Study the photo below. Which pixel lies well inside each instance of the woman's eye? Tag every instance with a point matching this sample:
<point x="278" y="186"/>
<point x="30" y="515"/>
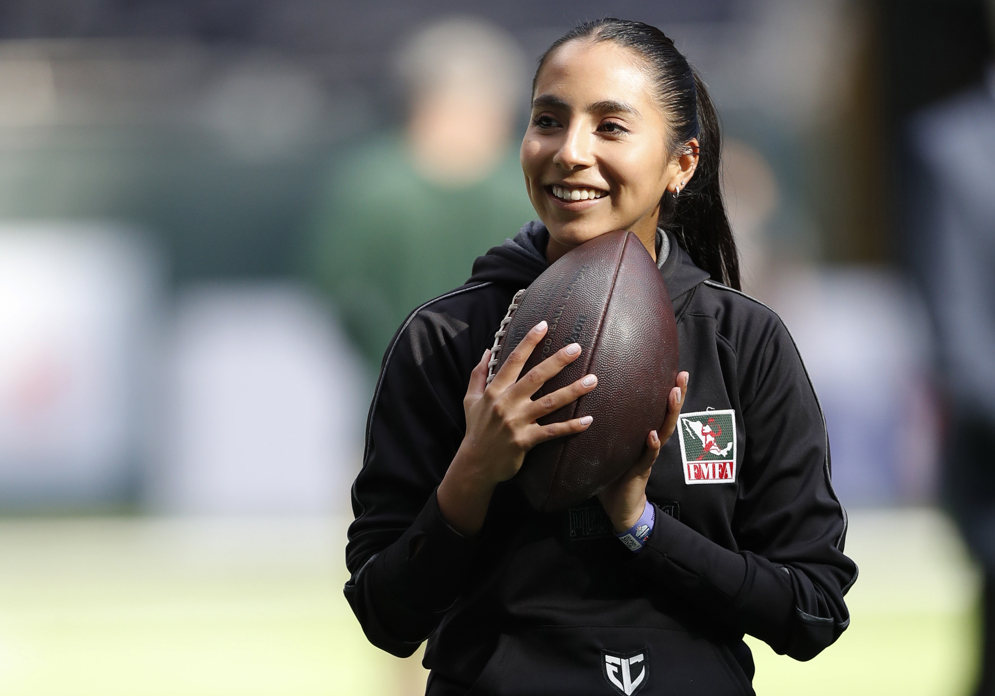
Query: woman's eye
<point x="544" y="121"/>
<point x="612" y="127"/>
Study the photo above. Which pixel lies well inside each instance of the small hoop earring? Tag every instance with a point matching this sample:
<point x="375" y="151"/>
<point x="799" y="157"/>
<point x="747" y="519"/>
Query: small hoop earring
<point x="677" y="191"/>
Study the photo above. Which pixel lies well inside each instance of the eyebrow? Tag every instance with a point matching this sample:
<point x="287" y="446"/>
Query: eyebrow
<point x="612" y="106"/>
<point x="548" y="101"/>
<point x="601" y="107"/>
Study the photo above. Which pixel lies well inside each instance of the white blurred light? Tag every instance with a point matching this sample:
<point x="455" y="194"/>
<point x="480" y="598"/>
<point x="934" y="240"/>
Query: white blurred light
<point x="866" y="348"/>
<point x="264" y="414"/>
<point x="75" y="305"/>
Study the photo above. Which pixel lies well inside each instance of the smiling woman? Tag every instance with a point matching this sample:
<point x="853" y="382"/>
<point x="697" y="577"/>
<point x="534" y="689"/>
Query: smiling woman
<point x="730" y="528"/>
<point x="596" y="154"/>
<point x="655" y="94"/>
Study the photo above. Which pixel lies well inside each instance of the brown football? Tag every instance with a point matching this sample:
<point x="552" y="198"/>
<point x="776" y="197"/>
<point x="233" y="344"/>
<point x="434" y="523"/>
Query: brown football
<point x="608" y="296"/>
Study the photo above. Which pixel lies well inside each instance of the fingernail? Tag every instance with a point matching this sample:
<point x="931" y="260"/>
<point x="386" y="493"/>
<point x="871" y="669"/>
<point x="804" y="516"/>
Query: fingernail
<point x="541" y="326"/>
<point x="654" y="437"/>
<point x="586" y="420"/>
<point x="573" y="349"/>
<point x="678" y="396"/>
<point x="589" y="381"/>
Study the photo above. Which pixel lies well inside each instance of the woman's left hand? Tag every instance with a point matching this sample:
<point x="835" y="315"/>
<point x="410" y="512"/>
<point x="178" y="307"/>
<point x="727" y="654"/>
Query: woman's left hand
<point x="625" y="499"/>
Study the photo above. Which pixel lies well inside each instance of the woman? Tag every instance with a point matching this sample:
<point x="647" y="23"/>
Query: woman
<point x="622" y="136"/>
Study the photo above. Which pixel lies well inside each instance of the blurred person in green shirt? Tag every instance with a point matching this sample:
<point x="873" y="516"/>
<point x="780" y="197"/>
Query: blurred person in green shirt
<point x="407" y="212"/>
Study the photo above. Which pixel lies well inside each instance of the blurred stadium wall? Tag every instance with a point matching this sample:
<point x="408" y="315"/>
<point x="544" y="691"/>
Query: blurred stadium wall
<point x="205" y="135"/>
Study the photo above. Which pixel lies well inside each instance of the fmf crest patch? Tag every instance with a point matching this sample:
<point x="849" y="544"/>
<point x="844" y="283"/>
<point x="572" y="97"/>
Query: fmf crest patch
<point x="708" y="446"/>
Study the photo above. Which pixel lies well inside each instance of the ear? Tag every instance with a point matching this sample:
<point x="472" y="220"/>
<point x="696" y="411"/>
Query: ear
<point x="683" y="166"/>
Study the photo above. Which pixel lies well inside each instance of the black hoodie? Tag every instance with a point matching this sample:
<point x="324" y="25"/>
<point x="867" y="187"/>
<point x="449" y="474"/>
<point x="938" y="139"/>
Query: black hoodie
<point x="748" y="537"/>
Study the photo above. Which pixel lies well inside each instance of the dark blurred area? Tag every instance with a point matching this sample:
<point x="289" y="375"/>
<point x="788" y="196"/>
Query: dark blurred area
<point x="946" y="182"/>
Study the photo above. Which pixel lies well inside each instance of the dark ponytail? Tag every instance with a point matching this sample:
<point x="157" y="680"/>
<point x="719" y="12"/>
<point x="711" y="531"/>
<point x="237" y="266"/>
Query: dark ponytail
<point x="696" y="217"/>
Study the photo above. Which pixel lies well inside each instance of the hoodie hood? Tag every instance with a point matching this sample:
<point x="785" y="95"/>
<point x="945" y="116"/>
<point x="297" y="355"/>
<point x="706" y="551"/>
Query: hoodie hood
<point x="519" y="261"/>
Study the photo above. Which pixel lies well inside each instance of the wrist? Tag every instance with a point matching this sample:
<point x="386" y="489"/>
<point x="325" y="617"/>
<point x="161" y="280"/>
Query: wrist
<point x="623" y="522"/>
<point x="472" y="471"/>
<point x="636" y="536"/>
<point x="464" y="498"/>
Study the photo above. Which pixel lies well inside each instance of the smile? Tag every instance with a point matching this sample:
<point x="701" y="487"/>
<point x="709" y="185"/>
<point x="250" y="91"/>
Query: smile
<point x="576" y="194"/>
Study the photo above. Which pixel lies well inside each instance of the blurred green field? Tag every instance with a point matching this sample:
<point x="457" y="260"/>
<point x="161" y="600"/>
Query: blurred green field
<point x="216" y="607"/>
<point x="912" y="610"/>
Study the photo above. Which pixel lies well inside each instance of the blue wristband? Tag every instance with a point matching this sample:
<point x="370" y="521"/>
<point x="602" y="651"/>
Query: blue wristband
<point x="635" y="538"/>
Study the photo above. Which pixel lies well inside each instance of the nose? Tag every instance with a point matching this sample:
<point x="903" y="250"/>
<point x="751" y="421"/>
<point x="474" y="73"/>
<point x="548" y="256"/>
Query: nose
<point x="575" y="149"/>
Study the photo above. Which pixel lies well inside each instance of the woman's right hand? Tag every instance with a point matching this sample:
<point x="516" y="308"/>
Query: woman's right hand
<point x="501" y="427"/>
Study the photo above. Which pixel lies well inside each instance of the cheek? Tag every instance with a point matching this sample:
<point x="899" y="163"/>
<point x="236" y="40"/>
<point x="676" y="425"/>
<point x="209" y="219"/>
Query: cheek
<point x="644" y="176"/>
<point x="529" y="154"/>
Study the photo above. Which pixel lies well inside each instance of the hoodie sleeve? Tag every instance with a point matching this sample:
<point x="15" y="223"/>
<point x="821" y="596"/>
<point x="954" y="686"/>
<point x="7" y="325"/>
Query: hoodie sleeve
<point x="407" y="565"/>
<point x="786" y="581"/>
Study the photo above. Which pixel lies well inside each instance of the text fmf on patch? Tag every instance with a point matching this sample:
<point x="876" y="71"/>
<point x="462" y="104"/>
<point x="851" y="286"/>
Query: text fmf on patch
<point x="708" y="446"/>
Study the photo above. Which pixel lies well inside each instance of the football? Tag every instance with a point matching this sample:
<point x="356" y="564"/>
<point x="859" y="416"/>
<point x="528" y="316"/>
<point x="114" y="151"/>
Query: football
<point x="607" y="295"/>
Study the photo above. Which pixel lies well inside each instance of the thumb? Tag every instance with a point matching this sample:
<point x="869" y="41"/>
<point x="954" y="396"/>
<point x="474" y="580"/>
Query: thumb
<point x="648" y="458"/>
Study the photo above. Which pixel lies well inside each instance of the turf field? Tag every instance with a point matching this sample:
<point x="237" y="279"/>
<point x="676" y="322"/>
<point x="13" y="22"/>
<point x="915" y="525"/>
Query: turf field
<point x="168" y="607"/>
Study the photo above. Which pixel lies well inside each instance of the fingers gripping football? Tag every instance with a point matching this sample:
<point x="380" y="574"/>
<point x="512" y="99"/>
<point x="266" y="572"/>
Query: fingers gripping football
<point x="501" y="417"/>
<point x="674" y="404"/>
<point x="656" y="438"/>
<point x="625" y="498"/>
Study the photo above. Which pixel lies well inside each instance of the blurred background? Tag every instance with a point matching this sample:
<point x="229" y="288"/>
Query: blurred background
<point x="215" y="214"/>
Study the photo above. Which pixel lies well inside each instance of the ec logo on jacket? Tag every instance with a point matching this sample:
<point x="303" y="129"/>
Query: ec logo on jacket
<point x="625" y="672"/>
<point x="708" y="446"/>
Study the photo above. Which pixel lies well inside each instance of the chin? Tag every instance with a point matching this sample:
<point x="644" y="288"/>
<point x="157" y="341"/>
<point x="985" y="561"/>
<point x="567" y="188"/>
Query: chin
<point x="573" y="234"/>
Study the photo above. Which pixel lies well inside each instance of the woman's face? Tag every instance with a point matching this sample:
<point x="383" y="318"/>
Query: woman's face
<point x="595" y="152"/>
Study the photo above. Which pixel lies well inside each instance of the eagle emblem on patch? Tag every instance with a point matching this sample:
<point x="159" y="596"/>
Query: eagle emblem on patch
<point x="708" y="446"/>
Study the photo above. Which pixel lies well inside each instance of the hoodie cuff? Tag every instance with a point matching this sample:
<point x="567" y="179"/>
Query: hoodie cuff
<point x="426" y="569"/>
<point x="682" y="558"/>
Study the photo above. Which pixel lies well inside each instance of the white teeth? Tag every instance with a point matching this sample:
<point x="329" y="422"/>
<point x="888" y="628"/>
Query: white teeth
<point x="576" y="194"/>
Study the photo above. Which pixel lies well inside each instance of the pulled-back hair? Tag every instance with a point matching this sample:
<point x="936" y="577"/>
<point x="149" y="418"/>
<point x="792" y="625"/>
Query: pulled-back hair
<point x="697" y="217"/>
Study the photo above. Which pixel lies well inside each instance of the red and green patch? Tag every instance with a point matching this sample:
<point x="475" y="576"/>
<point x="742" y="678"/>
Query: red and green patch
<point x="708" y="446"/>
